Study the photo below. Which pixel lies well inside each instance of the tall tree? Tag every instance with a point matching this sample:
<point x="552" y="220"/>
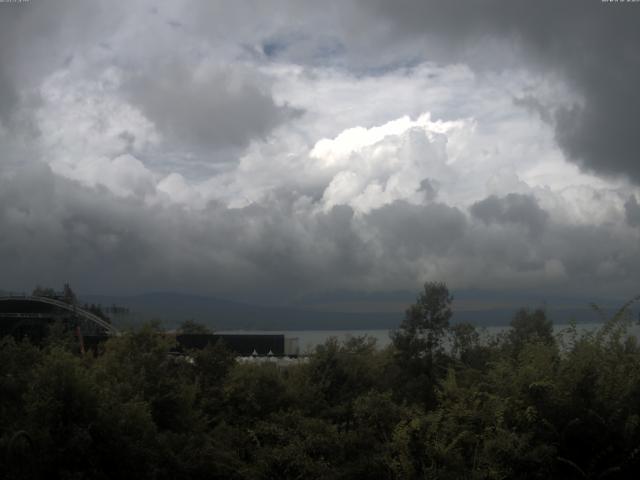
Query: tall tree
<point x="419" y="341"/>
<point x="191" y="327"/>
<point x="528" y="326"/>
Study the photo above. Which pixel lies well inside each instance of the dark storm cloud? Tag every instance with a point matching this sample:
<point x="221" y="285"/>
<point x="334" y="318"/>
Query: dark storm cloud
<point x="220" y="108"/>
<point x="514" y="208"/>
<point x="37" y="36"/>
<point x="217" y="109"/>
<point x="53" y="230"/>
<point x="592" y="44"/>
<point x="8" y="97"/>
<point x="10" y="18"/>
<point x="632" y="211"/>
<point x="415" y="230"/>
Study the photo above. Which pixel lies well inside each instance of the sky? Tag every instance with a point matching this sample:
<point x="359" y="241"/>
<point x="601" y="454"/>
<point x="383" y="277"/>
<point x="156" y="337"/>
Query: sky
<point x="279" y="150"/>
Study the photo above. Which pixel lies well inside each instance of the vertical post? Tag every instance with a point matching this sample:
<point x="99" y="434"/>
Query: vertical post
<point x="80" y="339"/>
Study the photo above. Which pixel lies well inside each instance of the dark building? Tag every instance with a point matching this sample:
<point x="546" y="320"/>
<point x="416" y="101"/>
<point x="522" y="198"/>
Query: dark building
<point x="32" y="316"/>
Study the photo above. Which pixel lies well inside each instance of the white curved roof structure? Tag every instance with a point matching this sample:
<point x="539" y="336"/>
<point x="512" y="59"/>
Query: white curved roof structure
<point x="109" y="329"/>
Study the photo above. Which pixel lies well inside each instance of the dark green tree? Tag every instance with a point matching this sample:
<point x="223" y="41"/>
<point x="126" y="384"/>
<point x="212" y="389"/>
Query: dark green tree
<point x="418" y="343"/>
<point x="191" y="327"/>
<point x="467" y="347"/>
<point x="530" y="326"/>
<point x="41" y="291"/>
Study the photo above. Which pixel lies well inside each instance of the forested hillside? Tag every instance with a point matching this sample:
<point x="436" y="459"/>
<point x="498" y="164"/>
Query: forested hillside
<point x="525" y="404"/>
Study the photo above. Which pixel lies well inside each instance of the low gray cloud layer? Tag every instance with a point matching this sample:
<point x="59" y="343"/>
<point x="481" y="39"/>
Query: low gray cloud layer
<point x="55" y="229"/>
<point x="515" y="209"/>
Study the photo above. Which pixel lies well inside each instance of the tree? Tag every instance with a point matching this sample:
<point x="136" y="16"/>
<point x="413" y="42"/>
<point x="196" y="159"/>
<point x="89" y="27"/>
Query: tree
<point x="137" y="364"/>
<point x="466" y="346"/>
<point x="69" y="295"/>
<point x="191" y="327"/>
<point x="211" y="367"/>
<point x="528" y="326"/>
<point x="253" y="392"/>
<point x="340" y="372"/>
<point x="426" y="322"/>
<point x="418" y="341"/>
<point x="41" y="291"/>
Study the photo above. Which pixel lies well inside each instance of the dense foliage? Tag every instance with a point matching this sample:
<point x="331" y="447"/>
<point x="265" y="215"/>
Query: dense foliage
<point x="441" y="402"/>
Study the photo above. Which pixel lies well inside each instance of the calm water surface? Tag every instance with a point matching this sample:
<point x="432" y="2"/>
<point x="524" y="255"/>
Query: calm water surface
<point x="309" y="339"/>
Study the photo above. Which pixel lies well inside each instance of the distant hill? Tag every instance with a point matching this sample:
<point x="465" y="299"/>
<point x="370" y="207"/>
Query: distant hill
<point x="220" y="314"/>
<point x="173" y="308"/>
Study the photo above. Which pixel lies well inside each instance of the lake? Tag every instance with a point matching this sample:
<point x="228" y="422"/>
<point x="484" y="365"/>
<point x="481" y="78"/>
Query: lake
<point x="309" y="339"/>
